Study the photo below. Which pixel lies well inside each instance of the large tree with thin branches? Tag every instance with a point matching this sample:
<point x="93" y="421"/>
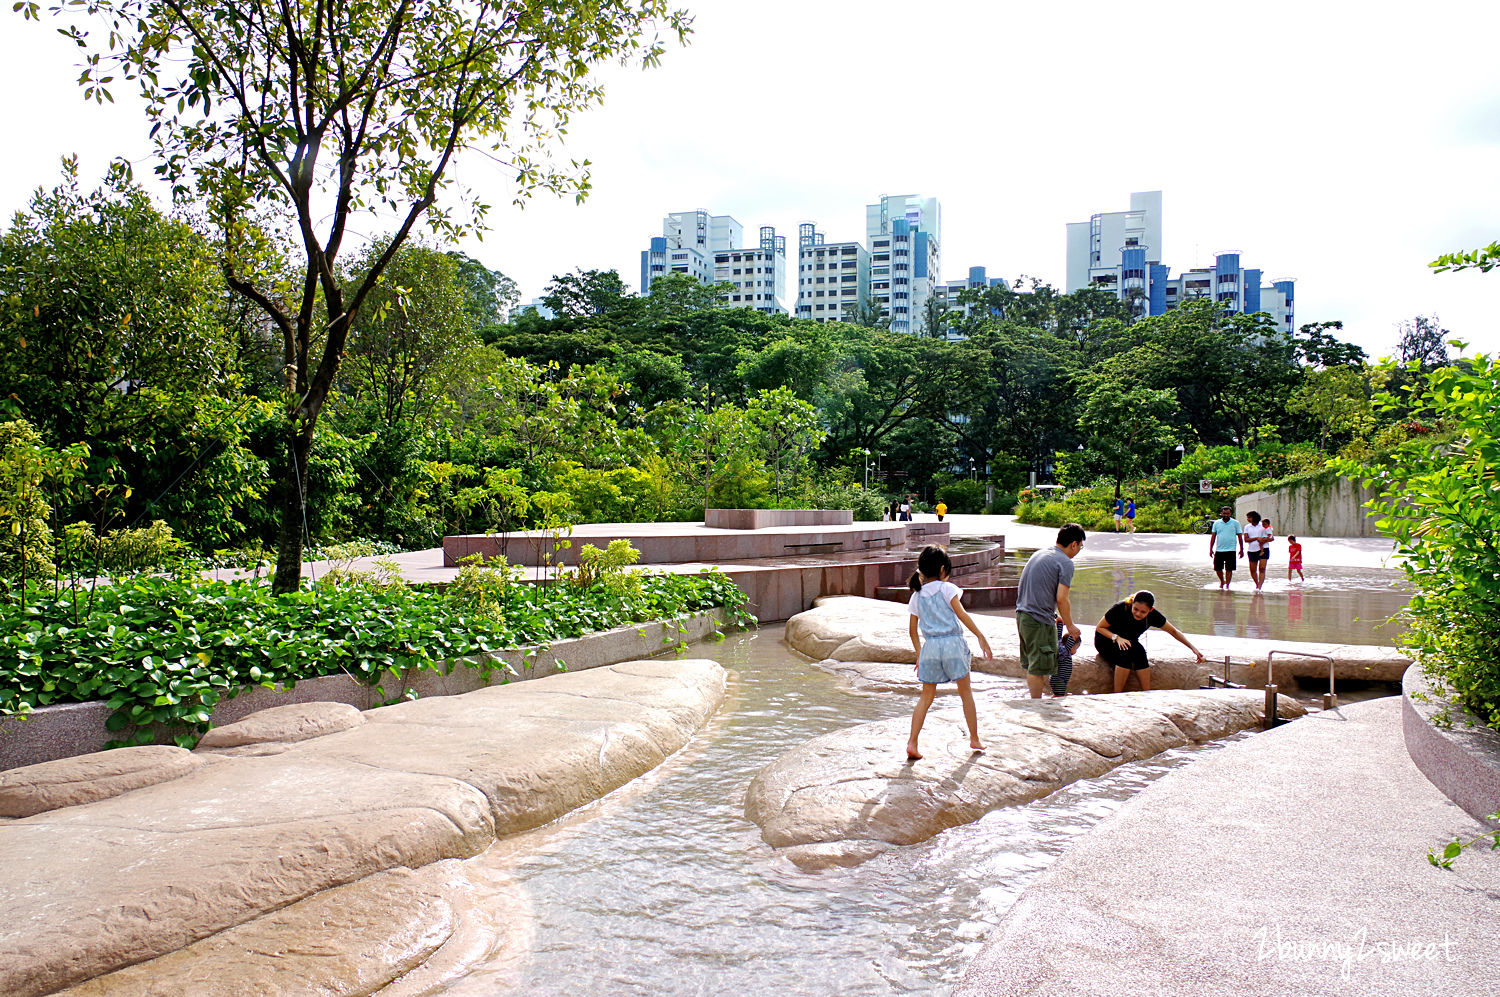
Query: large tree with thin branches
<point x="284" y="120"/>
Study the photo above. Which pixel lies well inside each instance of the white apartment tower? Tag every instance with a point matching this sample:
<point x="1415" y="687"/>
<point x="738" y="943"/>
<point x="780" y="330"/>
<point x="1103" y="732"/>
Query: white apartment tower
<point x="758" y="274"/>
<point x="833" y="278"/>
<point x="687" y="244"/>
<point x="1096" y="248"/>
<point x="905" y="235"/>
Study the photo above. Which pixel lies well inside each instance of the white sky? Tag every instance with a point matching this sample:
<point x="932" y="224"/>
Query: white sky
<point x="1342" y="144"/>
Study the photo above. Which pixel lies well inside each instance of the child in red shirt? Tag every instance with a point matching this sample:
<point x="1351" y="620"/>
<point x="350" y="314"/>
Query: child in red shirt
<point x="1293" y="558"/>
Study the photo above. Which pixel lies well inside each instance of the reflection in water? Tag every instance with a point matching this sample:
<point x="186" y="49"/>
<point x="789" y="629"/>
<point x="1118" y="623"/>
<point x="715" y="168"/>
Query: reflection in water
<point x="1342" y="605"/>
<point x="664" y="888"/>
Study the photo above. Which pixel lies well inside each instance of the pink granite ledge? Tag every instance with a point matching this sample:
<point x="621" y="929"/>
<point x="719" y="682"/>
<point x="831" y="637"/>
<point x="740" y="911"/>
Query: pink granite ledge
<point x="1461" y="760"/>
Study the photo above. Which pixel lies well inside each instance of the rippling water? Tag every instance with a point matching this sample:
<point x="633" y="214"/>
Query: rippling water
<point x="664" y="888"/>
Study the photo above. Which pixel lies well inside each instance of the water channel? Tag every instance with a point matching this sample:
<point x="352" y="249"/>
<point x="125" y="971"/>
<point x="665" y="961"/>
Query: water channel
<point x="663" y="888"/>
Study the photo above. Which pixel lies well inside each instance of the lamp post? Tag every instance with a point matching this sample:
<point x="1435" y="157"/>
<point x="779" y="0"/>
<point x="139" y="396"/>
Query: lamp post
<point x="971" y="468"/>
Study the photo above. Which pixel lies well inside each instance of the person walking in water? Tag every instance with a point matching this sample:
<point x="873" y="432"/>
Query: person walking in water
<point x="1117" y="638"/>
<point x="1257" y="547"/>
<point x="938" y="638"/>
<point x="1294" y="559"/>
<point x="1223" y="534"/>
<point x="1041" y="600"/>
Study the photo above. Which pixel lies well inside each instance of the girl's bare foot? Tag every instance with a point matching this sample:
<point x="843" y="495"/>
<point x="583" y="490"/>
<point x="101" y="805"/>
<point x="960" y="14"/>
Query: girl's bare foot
<point x="975" y="746"/>
<point x="912" y="753"/>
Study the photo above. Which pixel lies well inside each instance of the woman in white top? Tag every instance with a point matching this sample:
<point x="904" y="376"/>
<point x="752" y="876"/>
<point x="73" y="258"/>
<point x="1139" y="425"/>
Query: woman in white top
<point x="1258" y="541"/>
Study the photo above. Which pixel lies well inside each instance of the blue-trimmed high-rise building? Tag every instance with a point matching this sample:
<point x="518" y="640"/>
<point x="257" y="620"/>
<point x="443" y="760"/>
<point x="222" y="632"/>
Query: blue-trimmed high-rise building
<point x="1121" y="252"/>
<point x="905" y="234"/>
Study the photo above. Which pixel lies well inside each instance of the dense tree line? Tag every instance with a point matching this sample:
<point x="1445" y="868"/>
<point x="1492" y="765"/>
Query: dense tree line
<point x="449" y="413"/>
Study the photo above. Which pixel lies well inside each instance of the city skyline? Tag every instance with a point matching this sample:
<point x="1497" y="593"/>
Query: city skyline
<point x="1329" y="145"/>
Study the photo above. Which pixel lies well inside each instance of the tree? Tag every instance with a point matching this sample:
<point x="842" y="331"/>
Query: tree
<point x="298" y="116"/>
<point x="489" y="295"/>
<point x="1126" y="430"/>
<point x="1484" y="260"/>
<point x="1338" y="399"/>
<point x="412" y="335"/>
<point x="935" y="317"/>
<point x="784" y="428"/>
<point x="871" y="314"/>
<point x="1319" y="347"/>
<point x="101" y="298"/>
<point x="585" y="292"/>
<point x="1424" y="342"/>
<point x="674" y="295"/>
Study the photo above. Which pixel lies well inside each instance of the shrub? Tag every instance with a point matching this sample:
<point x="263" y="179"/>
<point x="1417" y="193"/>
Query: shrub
<point x="1441" y="504"/>
<point x="962" y="496"/>
<point x="1004" y="504"/>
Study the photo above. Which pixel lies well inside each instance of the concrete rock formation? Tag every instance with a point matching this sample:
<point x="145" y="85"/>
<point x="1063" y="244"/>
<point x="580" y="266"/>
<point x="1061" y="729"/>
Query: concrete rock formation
<point x="849" y="628"/>
<point x="842" y="797"/>
<point x="89" y="890"/>
<point x="70" y="782"/>
<point x="282" y="725"/>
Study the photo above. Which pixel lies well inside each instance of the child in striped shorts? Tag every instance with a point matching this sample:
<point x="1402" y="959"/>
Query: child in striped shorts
<point x="1065" y="647"/>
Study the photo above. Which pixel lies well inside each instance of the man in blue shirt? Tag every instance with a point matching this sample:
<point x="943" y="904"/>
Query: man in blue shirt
<point x="1119" y="513"/>
<point x="1224" y="534"/>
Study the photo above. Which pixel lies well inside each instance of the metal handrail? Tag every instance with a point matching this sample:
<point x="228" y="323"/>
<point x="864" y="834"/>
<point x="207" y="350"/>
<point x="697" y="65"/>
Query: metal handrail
<point x="1330" y="698"/>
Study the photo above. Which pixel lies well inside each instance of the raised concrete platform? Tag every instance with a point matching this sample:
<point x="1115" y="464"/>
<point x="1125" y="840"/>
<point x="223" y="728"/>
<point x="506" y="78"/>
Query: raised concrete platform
<point x="669" y="543"/>
<point x="1293" y="863"/>
<point x="760" y="519"/>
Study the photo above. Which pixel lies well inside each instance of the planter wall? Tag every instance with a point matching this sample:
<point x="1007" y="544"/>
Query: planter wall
<point x="70" y="729"/>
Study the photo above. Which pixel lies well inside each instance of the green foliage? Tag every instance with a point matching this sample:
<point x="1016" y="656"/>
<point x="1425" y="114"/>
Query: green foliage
<point x="1484" y="260"/>
<point x="1441" y="505"/>
<point x="1455" y="848"/>
<point x="125" y="551"/>
<point x="30" y="471"/>
<point x="166" y="650"/>
<point x="607" y="568"/>
<point x="102" y="296"/>
<point x="962" y="496"/>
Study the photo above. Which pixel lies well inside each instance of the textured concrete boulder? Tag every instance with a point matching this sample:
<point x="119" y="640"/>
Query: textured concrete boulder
<point x="880" y="677"/>
<point x="842" y="797"/>
<point x="68" y="782"/>
<point x="89" y="890"/>
<point x="849" y="628"/>
<point x="283" y="725"/>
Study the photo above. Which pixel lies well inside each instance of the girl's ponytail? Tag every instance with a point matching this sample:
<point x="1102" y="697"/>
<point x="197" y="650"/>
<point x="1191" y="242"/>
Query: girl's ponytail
<point x="915" y="582"/>
<point x="931" y="564"/>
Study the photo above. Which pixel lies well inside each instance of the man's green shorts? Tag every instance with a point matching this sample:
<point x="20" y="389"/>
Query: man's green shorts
<point x="1038" y="645"/>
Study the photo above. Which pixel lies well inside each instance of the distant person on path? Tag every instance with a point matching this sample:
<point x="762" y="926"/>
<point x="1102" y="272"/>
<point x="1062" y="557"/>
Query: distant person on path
<point x="941" y="509"/>
<point x="942" y="652"/>
<point x="1066" y="645"/>
<point x="895" y="510"/>
<point x="1117" y="638"/>
<point x="1119" y="513"/>
<point x="1130" y="514"/>
<point x="1294" y="559"/>
<point x="1041" y="600"/>
<point x="905" y="510"/>
<point x="1257" y="547"/>
<point x="1224" y="533"/>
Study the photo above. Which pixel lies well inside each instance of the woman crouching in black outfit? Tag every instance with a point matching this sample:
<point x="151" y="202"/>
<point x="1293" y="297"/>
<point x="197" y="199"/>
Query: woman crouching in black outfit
<point x="1117" y="637"/>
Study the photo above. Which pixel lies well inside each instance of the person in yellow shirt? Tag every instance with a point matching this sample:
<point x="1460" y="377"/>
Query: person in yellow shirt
<point x="941" y="509"/>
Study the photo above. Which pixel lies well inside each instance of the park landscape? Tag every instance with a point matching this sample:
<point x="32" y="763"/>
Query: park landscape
<point x="366" y="633"/>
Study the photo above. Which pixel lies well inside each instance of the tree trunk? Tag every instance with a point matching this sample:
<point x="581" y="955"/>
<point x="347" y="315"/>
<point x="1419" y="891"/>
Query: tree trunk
<point x="288" y="577"/>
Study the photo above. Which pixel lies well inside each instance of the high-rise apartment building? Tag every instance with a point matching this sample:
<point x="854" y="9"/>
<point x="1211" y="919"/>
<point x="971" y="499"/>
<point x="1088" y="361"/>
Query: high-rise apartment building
<point x="758" y="274"/>
<point x="905" y="237"/>
<point x="833" y="278"/>
<point x="687" y="245"/>
<point x="1120" y="252"/>
<point x="1097" y="247"/>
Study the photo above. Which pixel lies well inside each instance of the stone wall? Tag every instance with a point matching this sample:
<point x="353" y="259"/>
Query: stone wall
<point x="1324" y="506"/>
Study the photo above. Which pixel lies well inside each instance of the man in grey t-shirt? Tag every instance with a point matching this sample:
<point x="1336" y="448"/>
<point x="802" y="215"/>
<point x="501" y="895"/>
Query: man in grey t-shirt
<point x="1041" y="600"/>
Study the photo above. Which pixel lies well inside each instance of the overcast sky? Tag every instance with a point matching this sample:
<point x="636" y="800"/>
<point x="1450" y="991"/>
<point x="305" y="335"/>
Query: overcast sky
<point x="1341" y="144"/>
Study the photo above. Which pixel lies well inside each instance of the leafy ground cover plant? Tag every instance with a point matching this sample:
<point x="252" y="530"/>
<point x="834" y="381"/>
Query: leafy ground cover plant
<point x="162" y="650"/>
